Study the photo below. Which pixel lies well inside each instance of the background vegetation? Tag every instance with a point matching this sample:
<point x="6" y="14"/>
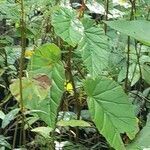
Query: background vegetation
<point x="74" y="74"/>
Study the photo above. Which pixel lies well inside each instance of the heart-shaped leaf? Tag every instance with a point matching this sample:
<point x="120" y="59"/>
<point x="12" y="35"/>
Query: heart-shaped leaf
<point x="110" y="110"/>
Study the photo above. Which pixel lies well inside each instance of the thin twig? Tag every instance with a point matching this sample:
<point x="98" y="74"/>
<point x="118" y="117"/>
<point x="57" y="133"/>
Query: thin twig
<point x="79" y="71"/>
<point x="15" y="135"/>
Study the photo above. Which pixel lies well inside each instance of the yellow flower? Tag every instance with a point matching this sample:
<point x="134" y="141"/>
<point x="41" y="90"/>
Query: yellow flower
<point x="29" y="53"/>
<point x="69" y="87"/>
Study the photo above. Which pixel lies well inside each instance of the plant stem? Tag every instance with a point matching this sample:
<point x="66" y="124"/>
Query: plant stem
<point x="148" y="14"/>
<point x="106" y="15"/>
<point x="128" y="64"/>
<point x="15" y="135"/>
<point x="69" y="65"/>
<point x="21" y="64"/>
<point x="138" y="61"/>
<point x="133" y="10"/>
<point x="78" y="109"/>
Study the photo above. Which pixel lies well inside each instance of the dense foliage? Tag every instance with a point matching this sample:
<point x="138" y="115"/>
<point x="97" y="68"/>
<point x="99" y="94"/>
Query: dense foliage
<point x="75" y="74"/>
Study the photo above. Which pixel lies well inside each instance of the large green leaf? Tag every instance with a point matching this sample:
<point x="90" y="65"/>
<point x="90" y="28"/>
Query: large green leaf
<point x="44" y="87"/>
<point x="110" y="110"/>
<point x="51" y="104"/>
<point x="138" y="29"/>
<point x="143" y="138"/>
<point x="47" y="59"/>
<point x="94" y="49"/>
<point x="67" y="25"/>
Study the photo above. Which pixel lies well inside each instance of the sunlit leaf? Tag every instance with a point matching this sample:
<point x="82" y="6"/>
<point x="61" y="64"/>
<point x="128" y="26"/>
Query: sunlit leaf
<point x="44" y="131"/>
<point x="73" y="123"/>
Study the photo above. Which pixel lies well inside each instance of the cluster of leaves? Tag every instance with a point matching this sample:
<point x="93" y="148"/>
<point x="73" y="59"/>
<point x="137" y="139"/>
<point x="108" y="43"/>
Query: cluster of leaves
<point x="79" y="73"/>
